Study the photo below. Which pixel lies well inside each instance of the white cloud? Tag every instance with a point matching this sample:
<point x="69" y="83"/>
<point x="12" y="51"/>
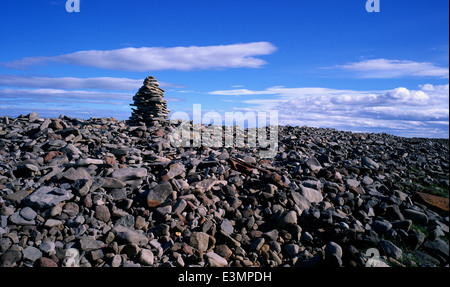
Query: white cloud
<point x="160" y="58"/>
<point x="385" y="68"/>
<point x="399" y="111"/>
<point x="98" y="83"/>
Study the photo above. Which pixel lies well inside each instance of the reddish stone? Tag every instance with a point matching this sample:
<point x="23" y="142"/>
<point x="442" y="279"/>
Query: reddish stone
<point x="110" y="160"/>
<point x="47" y="262"/>
<point x="435" y="201"/>
<point x="160" y="133"/>
<point x="51" y="155"/>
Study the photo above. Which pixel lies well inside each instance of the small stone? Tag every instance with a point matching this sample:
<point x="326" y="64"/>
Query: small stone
<point x="89" y="243"/>
<point x="31" y="253"/>
<point x="146" y="257"/>
<point x="369" y="163"/>
<point x="158" y="194"/>
<point x="311" y="194"/>
<point x="333" y="248"/>
<point x="47" y="247"/>
<point x="227" y="226"/>
<point x="129" y="173"/>
<point x="199" y="240"/>
<point x="389" y="249"/>
<point x="9" y="257"/>
<point x="416" y="216"/>
<point x="47" y="262"/>
<point x="287" y="219"/>
<point x="223" y="251"/>
<point x="381" y="226"/>
<point x="53" y="222"/>
<point x="28" y="213"/>
<point x="47" y="197"/>
<point x="214" y="260"/>
<point x="102" y="213"/>
<point x="126" y="235"/>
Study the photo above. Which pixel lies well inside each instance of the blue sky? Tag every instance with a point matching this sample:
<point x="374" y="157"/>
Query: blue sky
<point x="324" y="63"/>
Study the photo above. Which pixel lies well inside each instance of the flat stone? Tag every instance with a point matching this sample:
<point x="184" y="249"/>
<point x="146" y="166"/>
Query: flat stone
<point x="19" y="220"/>
<point x="47" y="247"/>
<point x="47" y="262"/>
<point x="227" y="226"/>
<point x="129" y="173"/>
<point x="416" y="216"/>
<point x="89" y="243"/>
<point x="389" y="249"/>
<point x="28" y="213"/>
<point x="199" y="240"/>
<point x="9" y="257"/>
<point x="130" y="236"/>
<point x="369" y="163"/>
<point x="312" y="195"/>
<point x="31" y="253"/>
<point x="158" y="194"/>
<point x="47" y="197"/>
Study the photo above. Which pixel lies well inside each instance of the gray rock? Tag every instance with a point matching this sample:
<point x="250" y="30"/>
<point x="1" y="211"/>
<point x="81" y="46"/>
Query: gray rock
<point x="89" y="243"/>
<point x="129" y="173"/>
<point x="301" y="201"/>
<point x="10" y="257"/>
<point x="28" y="213"/>
<point x="389" y="249"/>
<point x="102" y="213"/>
<point x="416" y="216"/>
<point x="126" y="235"/>
<point x="199" y="240"/>
<point x="333" y="248"/>
<point x="82" y="186"/>
<point x="47" y="197"/>
<point x="288" y="219"/>
<point x="19" y="220"/>
<point x="381" y="227"/>
<point x="146" y="257"/>
<point x="47" y="247"/>
<point x="31" y="253"/>
<point x="312" y="195"/>
<point x="158" y="194"/>
<point x="369" y="163"/>
<point x="227" y="226"/>
<point x="438" y="246"/>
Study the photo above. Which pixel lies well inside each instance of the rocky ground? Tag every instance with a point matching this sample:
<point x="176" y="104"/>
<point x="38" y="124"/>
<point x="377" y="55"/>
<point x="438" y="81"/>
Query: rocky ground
<point x="118" y="195"/>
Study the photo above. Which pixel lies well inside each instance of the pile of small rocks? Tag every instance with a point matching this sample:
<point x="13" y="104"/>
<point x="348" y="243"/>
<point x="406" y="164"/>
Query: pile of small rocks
<point x="150" y="108"/>
<point x="121" y="195"/>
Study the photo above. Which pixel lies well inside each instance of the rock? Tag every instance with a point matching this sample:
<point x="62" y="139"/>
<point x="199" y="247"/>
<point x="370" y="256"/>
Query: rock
<point x="333" y="248"/>
<point x="311" y="194"/>
<point x="102" y="213"/>
<point x="389" y="249"/>
<point x="438" y="247"/>
<point x="31" y="253"/>
<point x="146" y="257"/>
<point x="9" y="257"/>
<point x="288" y="219"/>
<point x="381" y="227"/>
<point x="129" y="173"/>
<point x="215" y="260"/>
<point x="47" y="247"/>
<point x="32" y="117"/>
<point x="47" y="262"/>
<point x="15" y="218"/>
<point x="158" y="194"/>
<point x="28" y="213"/>
<point x="199" y="240"/>
<point x="417" y="217"/>
<point x="369" y="163"/>
<point x="82" y="186"/>
<point x="227" y="226"/>
<point x="89" y="243"/>
<point x="47" y="197"/>
<point x="126" y="235"/>
<point x="149" y="106"/>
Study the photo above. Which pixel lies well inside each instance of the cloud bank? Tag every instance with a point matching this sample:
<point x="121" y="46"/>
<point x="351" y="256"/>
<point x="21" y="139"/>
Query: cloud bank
<point x="240" y="55"/>
<point x="423" y="112"/>
<point x="385" y="68"/>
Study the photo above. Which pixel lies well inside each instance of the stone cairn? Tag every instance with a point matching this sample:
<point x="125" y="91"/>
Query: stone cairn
<point x="150" y="108"/>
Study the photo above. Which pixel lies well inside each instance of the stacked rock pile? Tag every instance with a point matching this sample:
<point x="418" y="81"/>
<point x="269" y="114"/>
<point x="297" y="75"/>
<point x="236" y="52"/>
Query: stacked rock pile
<point x="150" y="107"/>
<point x="120" y="195"/>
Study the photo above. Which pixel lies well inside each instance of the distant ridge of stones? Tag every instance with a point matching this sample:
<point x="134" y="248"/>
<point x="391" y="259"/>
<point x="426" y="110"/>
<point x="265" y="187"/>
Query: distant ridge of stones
<point x="150" y="107"/>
